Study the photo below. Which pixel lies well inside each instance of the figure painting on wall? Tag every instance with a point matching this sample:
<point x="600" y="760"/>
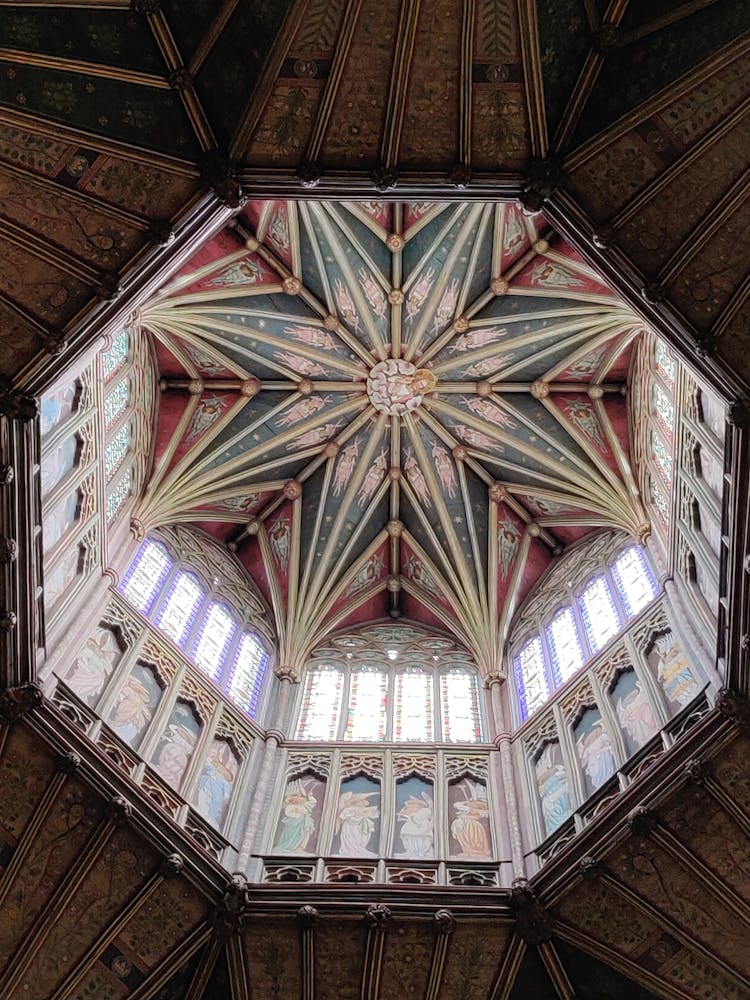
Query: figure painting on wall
<point x="297" y="829"/>
<point x="414" y="811"/>
<point x="470" y="825"/>
<point x="552" y="783"/>
<point x="57" y="406"/>
<point x="357" y="818"/>
<point x="634" y="711"/>
<point x="136" y="703"/>
<point x="595" y="750"/>
<point x="176" y="746"/>
<point x="216" y="783"/>
<point x="673" y="671"/>
<point x="93" y="666"/>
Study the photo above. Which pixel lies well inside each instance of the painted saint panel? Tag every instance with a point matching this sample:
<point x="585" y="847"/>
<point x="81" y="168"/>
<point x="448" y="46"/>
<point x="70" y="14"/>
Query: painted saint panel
<point x="136" y="703"/>
<point x="177" y="744"/>
<point x="298" y="828"/>
<point x="64" y="573"/>
<point x="59" y="462"/>
<point x="552" y="784"/>
<point x="677" y="677"/>
<point x="357" y="827"/>
<point x="217" y="782"/>
<point x="414" y="835"/>
<point x="94" y="665"/>
<point x="469" y="812"/>
<point x="57" y="406"/>
<point x="634" y="711"/>
<point x="62" y="517"/>
<point x="594" y="749"/>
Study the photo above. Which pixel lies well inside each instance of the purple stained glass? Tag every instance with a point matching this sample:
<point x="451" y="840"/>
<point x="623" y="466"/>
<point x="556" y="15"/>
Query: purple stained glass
<point x="245" y="680"/>
<point x="214" y="635"/>
<point x="145" y="578"/>
<point x="599" y="613"/>
<point x="565" y="645"/>
<point x="634" y="580"/>
<point x="531" y="679"/>
<point x="177" y="613"/>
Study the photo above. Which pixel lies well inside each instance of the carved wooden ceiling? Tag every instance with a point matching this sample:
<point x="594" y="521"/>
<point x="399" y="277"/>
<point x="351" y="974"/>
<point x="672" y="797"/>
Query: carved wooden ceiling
<point x="392" y="408"/>
<point x="116" y="117"/>
<point x="100" y="900"/>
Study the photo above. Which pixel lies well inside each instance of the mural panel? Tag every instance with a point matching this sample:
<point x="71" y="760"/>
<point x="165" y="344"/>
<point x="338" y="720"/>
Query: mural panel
<point x="414" y="835"/>
<point x="357" y="826"/>
<point x="136" y="703"/>
<point x="177" y="744"/>
<point x="552" y="784"/>
<point x="634" y="711"/>
<point x="217" y="782"/>
<point x="469" y="812"/>
<point x="671" y="667"/>
<point x="298" y="827"/>
<point x="594" y="749"/>
<point x="94" y="665"/>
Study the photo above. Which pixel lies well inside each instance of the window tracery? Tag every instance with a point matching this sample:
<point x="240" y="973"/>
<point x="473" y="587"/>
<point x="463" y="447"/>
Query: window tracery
<point x="385" y="683"/>
<point x="163" y="584"/>
<point x="615" y="584"/>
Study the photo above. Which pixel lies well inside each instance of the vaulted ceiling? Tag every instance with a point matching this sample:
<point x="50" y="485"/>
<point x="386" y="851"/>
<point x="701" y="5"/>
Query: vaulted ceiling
<point x="117" y="117"/>
<point x="391" y="408"/>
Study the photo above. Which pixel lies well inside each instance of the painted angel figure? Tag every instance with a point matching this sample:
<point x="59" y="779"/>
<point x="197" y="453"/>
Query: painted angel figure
<point x="216" y="783"/>
<point x="636" y="716"/>
<point x="297" y="820"/>
<point x="207" y="413"/>
<point x="552" y="783"/>
<point x="477" y="338"/>
<point x="444" y="468"/>
<point x="508" y="536"/>
<point x="242" y="272"/>
<point x="366" y="574"/>
<point x="303" y="366"/>
<point x="346" y="306"/>
<point x="419" y="294"/>
<point x="583" y="416"/>
<point x="373" y="293"/>
<point x="467" y="828"/>
<point x="355" y="823"/>
<point x="418" y="572"/>
<point x="514" y="233"/>
<point x="316" y="435"/>
<point x="446" y="307"/>
<point x="417" y="827"/>
<point x="278" y="231"/>
<point x="673" y="671"/>
<point x="487" y="366"/>
<point x="345" y="466"/>
<point x="206" y="364"/>
<point x="132" y="709"/>
<point x="485" y="408"/>
<point x="312" y="336"/>
<point x="417" y="479"/>
<point x="373" y="478"/>
<point x="596" y="754"/>
<point x="473" y="437"/>
<point x="586" y="365"/>
<point x="94" y="664"/>
<point x="551" y="275"/>
<point x="280" y="537"/>
<point x="302" y="409"/>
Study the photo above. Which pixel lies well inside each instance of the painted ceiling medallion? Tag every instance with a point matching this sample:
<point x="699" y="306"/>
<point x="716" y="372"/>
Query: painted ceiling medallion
<point x="398" y="352"/>
<point x="396" y="386"/>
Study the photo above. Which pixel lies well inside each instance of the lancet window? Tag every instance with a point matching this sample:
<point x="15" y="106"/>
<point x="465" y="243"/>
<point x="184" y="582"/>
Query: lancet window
<point x="573" y="629"/>
<point x="116" y="365"/>
<point x="390" y="684"/>
<point x="184" y="604"/>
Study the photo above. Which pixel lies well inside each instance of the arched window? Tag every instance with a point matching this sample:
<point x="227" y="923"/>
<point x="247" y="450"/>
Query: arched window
<point x="192" y="612"/>
<point x="570" y="631"/>
<point x="388" y="683"/>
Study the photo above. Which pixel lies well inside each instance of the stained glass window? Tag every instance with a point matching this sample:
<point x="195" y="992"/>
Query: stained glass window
<point x="531" y="680"/>
<point x="599" y="613"/>
<point x="460" y="703"/>
<point x="368" y="689"/>
<point x="118" y="495"/>
<point x="246" y="678"/>
<point x="664" y="409"/>
<point x="114" y="357"/>
<point x="665" y="364"/>
<point x="321" y="704"/>
<point x="115" y="402"/>
<point x="634" y="580"/>
<point x="413" y="714"/>
<point x="115" y="451"/>
<point x="214" y="635"/>
<point x="663" y="457"/>
<point x="565" y="646"/>
<point x="177" y="613"/>
<point x="147" y="573"/>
